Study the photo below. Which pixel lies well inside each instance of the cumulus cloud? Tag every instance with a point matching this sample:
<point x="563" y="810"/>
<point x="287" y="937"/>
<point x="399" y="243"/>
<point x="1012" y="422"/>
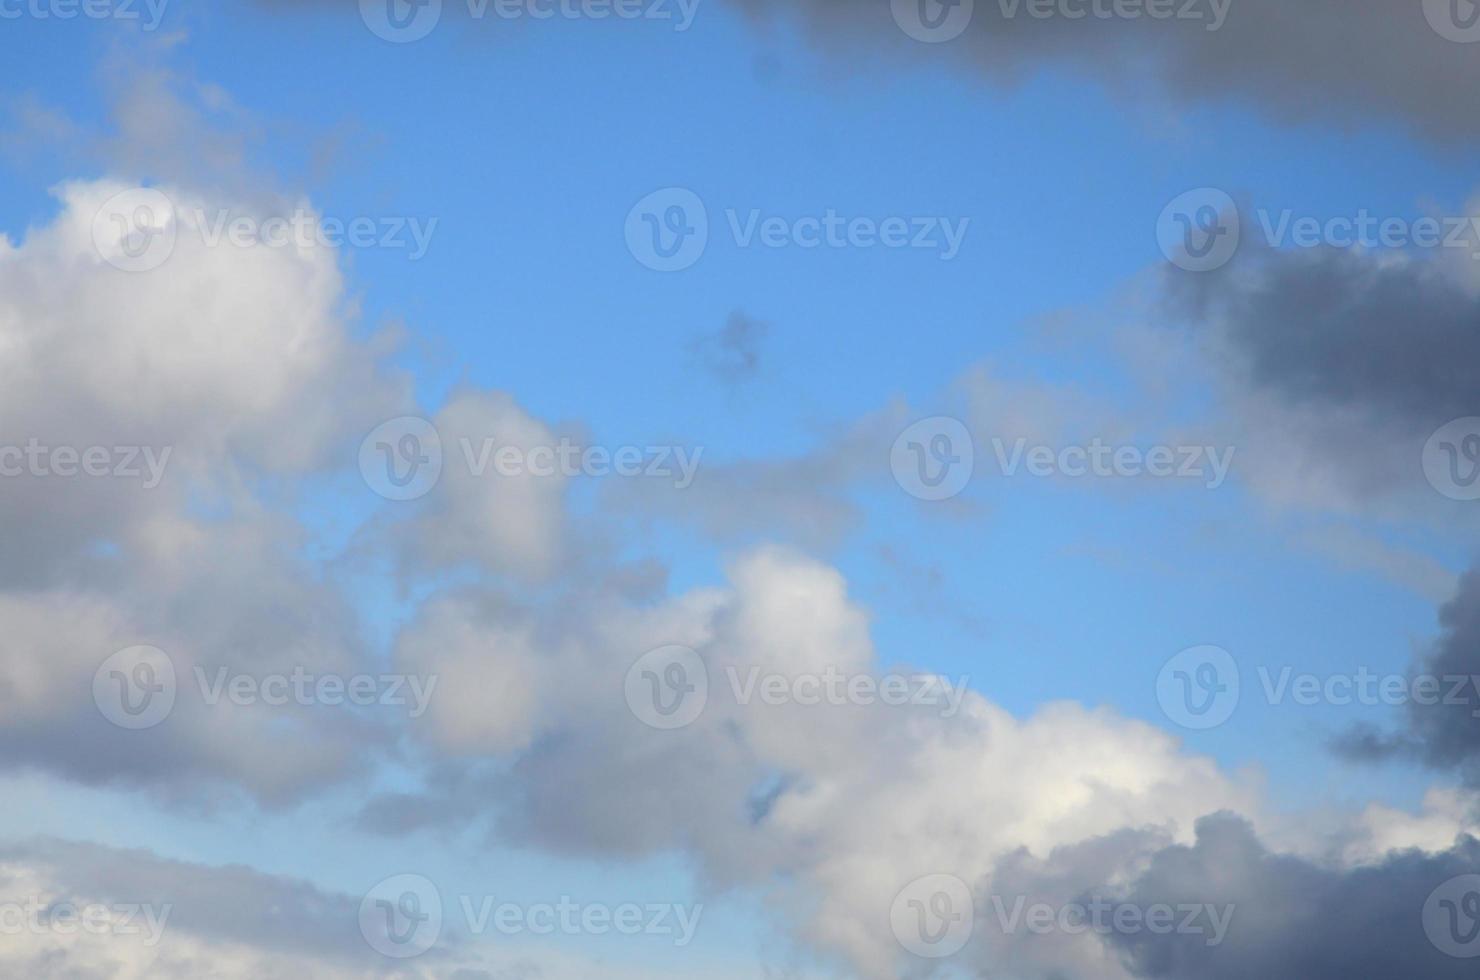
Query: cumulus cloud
<point x="848" y="803"/>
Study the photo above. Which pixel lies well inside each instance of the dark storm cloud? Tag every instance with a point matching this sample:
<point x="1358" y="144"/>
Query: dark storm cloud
<point x="1327" y="61"/>
<point x="1394" y="343"/>
<point x="1275" y="916"/>
<point x="1441" y="727"/>
<point x="1294" y="920"/>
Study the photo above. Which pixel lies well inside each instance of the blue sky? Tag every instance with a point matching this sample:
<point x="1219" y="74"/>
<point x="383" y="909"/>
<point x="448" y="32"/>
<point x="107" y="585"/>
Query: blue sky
<point x="528" y="144"/>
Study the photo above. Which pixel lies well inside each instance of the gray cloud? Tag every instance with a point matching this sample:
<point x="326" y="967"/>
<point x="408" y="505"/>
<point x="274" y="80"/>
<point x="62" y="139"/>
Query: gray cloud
<point x="1323" y="61"/>
<point x="1444" y="734"/>
<point x="1293" y="919"/>
<point x="733" y="353"/>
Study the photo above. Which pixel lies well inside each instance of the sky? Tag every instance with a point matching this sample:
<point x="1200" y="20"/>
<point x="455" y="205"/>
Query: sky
<point x="856" y="489"/>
